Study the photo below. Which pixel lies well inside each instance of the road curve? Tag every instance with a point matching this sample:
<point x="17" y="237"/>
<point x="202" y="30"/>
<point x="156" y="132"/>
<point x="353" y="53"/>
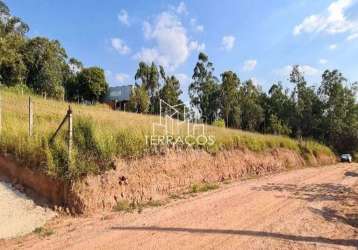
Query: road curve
<point x="312" y="208"/>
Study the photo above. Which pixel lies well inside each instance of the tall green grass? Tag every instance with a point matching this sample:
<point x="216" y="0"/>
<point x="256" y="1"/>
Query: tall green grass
<point x="102" y="135"/>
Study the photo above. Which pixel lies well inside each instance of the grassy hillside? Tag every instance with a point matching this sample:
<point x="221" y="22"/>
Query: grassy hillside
<point x="102" y="135"/>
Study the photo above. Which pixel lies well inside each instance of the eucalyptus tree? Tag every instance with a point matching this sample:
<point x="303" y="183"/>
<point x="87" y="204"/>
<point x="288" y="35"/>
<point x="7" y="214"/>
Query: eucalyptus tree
<point x="170" y="91"/>
<point x="229" y="98"/>
<point x="252" y="113"/>
<point x="308" y="107"/>
<point x="149" y="77"/>
<point x="204" y="91"/>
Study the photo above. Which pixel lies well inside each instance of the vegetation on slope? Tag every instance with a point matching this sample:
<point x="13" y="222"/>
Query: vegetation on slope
<point x="102" y="135"/>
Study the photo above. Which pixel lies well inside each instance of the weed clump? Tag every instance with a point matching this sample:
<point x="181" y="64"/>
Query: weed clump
<point x="131" y="206"/>
<point x="43" y="232"/>
<point x="205" y="187"/>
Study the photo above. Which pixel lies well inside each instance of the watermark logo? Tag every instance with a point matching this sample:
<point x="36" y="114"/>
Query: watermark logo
<point x="178" y="126"/>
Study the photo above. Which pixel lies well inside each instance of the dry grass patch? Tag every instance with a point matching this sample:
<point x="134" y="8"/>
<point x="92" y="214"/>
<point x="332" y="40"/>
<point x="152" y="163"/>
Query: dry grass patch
<point x="102" y="135"/>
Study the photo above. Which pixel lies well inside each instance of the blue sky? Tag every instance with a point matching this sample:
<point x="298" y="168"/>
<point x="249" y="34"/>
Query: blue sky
<point x="257" y="39"/>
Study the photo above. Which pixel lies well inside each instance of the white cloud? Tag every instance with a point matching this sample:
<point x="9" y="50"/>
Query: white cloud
<point x="200" y="28"/>
<point x="121" y="77"/>
<point x="172" y="45"/>
<point x="147" y="29"/>
<point x="195" y="45"/>
<point x="323" y="61"/>
<point x="352" y="37"/>
<point x="150" y="55"/>
<point x="197" y="27"/>
<point x="249" y="65"/>
<point x="227" y="42"/>
<point x="331" y="21"/>
<point x="120" y="46"/>
<point x="181" y="9"/>
<point x="307" y="70"/>
<point x="332" y="46"/>
<point x="123" y="17"/>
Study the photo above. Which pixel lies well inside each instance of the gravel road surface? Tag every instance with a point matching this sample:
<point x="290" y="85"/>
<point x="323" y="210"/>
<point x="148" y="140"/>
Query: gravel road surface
<point x="19" y="215"/>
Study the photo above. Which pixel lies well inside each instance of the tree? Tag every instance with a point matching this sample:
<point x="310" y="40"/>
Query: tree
<point x="75" y="65"/>
<point x="12" y="67"/>
<point x="139" y="101"/>
<point x="92" y="84"/>
<point x="252" y="114"/>
<point x="170" y="92"/>
<point x="12" y="30"/>
<point x="307" y="104"/>
<point x="277" y="126"/>
<point x="149" y="77"/>
<point x="340" y="119"/>
<point x="229" y="97"/>
<point x="204" y="90"/>
<point x="71" y="82"/>
<point x="46" y="65"/>
<point x="11" y="24"/>
<point x="279" y="108"/>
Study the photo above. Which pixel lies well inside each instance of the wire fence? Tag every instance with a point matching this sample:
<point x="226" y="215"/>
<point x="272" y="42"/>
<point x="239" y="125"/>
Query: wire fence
<point x="15" y="113"/>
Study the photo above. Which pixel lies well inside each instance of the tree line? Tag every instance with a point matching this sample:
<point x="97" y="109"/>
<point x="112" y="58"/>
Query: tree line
<point x="43" y="66"/>
<point x="327" y="113"/>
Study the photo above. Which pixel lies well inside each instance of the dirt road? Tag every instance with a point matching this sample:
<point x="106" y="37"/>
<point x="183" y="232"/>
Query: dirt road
<point x="313" y="208"/>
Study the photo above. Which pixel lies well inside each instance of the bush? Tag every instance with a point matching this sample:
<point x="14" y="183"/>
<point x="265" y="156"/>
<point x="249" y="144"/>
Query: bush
<point x="219" y="123"/>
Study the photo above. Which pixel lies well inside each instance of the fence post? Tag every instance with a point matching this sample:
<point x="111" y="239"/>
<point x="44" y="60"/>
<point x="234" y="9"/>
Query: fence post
<point x="0" y="113"/>
<point x="31" y="117"/>
<point x="70" y="134"/>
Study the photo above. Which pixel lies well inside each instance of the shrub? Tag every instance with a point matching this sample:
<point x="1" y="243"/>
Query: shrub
<point x="205" y="187"/>
<point x="219" y="123"/>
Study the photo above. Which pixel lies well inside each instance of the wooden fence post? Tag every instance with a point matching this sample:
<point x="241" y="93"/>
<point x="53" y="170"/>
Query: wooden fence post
<point x="31" y="117"/>
<point x="0" y="113"/>
<point x="70" y="134"/>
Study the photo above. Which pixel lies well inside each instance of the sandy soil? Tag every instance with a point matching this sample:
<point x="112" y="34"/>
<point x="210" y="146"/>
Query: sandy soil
<point x="19" y="215"/>
<point x="312" y="208"/>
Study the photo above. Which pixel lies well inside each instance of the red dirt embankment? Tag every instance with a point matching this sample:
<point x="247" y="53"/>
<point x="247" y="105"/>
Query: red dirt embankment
<point x="157" y="177"/>
<point x="54" y="191"/>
